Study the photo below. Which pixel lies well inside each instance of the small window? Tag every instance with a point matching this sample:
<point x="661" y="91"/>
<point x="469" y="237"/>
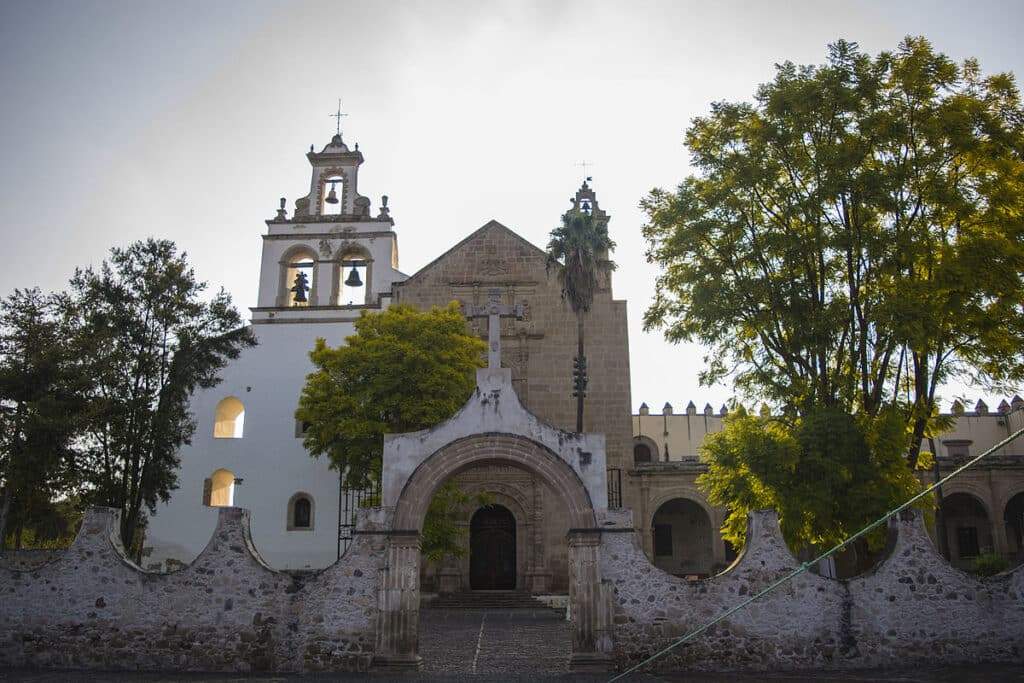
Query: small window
<point x="641" y="453"/>
<point x="967" y="541"/>
<point x="229" y="419"/>
<point x="958" y="449"/>
<point x="663" y="540"/>
<point x="300" y="513"/>
<point x="219" y="489"/>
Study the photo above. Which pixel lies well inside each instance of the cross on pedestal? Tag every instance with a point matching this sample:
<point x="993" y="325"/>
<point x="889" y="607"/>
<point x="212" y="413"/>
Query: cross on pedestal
<point x="494" y="311"/>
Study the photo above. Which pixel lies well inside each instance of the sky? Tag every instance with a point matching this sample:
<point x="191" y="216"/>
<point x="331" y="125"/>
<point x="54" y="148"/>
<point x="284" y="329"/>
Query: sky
<point x="121" y="120"/>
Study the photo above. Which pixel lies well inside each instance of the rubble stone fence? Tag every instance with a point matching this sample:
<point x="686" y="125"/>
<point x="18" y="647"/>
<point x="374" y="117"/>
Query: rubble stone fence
<point x="912" y="608"/>
<point x="92" y="608"/>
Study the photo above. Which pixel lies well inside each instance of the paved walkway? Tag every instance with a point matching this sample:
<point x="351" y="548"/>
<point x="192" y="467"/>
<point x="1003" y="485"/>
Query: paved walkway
<point x="523" y="642"/>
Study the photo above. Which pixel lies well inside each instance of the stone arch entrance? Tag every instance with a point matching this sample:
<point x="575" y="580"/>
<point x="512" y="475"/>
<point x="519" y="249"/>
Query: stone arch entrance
<point x="492" y="549"/>
<point x="399" y="601"/>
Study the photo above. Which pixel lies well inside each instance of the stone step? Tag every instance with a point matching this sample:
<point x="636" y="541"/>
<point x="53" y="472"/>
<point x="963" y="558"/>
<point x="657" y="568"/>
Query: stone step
<point x="486" y="600"/>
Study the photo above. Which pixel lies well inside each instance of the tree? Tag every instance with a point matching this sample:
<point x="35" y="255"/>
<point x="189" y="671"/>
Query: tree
<point x="403" y="370"/>
<point x="828" y="473"/>
<point x="575" y="250"/>
<point x="147" y="340"/>
<point x="854" y="235"/>
<point x="40" y="408"/>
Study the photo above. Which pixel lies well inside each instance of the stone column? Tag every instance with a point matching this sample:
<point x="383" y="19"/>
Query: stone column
<point x="1000" y="537"/>
<point x="398" y="604"/>
<point x="589" y="603"/>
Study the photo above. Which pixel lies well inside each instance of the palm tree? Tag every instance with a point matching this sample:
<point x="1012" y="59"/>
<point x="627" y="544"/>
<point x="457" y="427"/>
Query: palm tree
<point x="576" y="249"/>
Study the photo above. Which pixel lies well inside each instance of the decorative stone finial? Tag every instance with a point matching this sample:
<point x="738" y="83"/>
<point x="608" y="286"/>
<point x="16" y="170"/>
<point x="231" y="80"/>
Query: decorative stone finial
<point x="1016" y="402"/>
<point x="723" y="411"/>
<point x="957" y="408"/>
<point x="981" y="408"/>
<point x="281" y="213"/>
<point x="1004" y="407"/>
<point x="385" y="212"/>
<point x="645" y="409"/>
<point x="691" y="409"/>
<point x="708" y="410"/>
<point x="667" y="409"/>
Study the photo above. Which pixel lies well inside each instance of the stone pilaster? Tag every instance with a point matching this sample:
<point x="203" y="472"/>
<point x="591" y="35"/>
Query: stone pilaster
<point x="589" y="603"/>
<point x="399" y="604"/>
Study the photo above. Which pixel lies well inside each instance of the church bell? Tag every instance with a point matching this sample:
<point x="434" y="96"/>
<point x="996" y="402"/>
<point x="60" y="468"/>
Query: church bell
<point x="353" y="279"/>
<point x="332" y="196"/>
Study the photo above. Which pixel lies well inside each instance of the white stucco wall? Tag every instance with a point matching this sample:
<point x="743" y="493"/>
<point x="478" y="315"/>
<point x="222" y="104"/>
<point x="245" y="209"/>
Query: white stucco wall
<point x="269" y="458"/>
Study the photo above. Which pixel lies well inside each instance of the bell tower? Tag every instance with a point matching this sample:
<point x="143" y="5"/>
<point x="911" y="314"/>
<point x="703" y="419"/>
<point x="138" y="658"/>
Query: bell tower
<point x="331" y="255"/>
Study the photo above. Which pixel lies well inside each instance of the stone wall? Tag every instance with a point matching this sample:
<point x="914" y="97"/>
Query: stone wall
<point x="912" y="608"/>
<point x="226" y="611"/>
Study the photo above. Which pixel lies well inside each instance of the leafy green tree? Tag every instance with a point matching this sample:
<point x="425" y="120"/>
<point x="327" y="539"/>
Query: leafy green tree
<point x="828" y="473"/>
<point x="147" y="339"/>
<point x="576" y="250"/>
<point x="853" y="238"/>
<point x="443" y="532"/>
<point x="403" y="370"/>
<point x="40" y="411"/>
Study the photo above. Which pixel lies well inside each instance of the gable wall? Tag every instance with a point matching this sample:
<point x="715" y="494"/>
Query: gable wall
<point x="539" y="349"/>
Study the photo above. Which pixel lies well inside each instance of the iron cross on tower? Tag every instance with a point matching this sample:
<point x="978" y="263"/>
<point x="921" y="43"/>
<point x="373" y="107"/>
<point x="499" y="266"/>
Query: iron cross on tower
<point x="494" y="311"/>
<point x="338" y="116"/>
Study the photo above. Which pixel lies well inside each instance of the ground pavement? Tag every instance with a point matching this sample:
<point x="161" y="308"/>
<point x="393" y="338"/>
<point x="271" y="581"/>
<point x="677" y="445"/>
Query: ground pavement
<point x="518" y="645"/>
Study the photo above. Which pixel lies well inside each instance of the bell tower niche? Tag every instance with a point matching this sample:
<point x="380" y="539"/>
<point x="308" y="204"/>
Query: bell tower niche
<point x="331" y="255"/>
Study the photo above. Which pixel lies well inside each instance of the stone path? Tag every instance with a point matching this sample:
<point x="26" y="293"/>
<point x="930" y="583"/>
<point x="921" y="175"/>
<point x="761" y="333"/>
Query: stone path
<point x="520" y="642"/>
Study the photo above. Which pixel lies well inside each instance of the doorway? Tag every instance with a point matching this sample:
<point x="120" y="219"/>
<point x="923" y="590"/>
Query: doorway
<point x="492" y="549"/>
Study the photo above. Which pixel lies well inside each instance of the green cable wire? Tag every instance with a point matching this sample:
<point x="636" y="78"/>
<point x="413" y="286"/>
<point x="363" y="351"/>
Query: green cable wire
<point x="806" y="565"/>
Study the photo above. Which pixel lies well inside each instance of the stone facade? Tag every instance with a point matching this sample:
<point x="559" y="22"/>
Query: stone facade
<point x="538" y="350"/>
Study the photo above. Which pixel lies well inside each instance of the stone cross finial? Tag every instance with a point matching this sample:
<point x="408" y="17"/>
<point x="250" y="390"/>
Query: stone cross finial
<point x="494" y="310"/>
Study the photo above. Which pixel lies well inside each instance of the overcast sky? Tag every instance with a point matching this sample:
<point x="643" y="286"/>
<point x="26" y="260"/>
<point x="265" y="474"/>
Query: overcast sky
<point x="187" y="120"/>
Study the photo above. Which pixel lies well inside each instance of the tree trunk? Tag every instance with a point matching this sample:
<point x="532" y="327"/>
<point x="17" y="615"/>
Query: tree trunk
<point x="5" y="509"/>
<point x="579" y="354"/>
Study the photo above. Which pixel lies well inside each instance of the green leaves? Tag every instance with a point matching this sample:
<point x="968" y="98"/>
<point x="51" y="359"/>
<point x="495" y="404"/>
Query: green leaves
<point x="574" y="250"/>
<point x="828" y="474"/>
<point x="855" y="231"/>
<point x="403" y="370"/>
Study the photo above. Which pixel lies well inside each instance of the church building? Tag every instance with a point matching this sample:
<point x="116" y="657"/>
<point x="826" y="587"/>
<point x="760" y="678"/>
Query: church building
<point x="334" y="258"/>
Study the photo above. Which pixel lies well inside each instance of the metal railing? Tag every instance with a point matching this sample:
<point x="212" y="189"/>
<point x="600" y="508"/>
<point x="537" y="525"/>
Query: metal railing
<point x="350" y="500"/>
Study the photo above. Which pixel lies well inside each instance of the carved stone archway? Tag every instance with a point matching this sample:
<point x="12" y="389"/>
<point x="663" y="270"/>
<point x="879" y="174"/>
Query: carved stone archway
<point x="399" y="599"/>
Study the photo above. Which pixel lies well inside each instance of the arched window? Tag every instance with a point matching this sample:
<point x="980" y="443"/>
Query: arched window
<point x="219" y="489"/>
<point x="229" y="419"/>
<point x="299" y="279"/>
<point x="641" y="453"/>
<point x="332" y="193"/>
<point x="300" y="512"/>
<point x="353" y="277"/>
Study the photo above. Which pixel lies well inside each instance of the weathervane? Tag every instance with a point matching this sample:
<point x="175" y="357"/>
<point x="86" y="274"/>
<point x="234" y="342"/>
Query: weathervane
<point x="584" y="164"/>
<point x="338" y="116"/>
